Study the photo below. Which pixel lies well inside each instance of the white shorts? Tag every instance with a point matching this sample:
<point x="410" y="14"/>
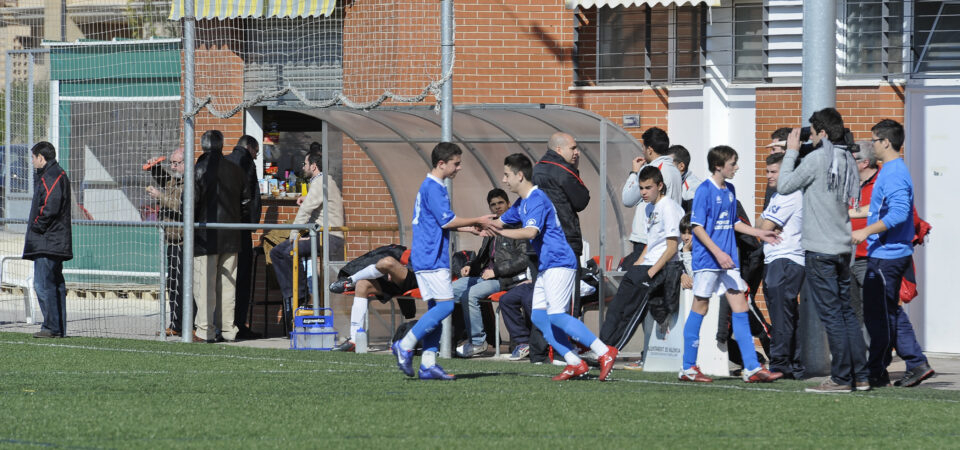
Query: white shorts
<point x="554" y="289"/>
<point x="709" y="282"/>
<point x="435" y="284"/>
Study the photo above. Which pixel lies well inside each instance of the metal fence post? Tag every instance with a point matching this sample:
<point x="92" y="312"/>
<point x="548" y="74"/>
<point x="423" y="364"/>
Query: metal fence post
<point x="189" y="46"/>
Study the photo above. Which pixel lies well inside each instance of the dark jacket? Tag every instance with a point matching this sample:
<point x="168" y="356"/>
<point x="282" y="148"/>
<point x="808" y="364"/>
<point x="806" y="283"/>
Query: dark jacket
<point x="242" y="158"/>
<point x="48" y="228"/>
<point x="561" y="182"/>
<point x="509" y="260"/>
<point x="171" y="191"/>
<point x="221" y="193"/>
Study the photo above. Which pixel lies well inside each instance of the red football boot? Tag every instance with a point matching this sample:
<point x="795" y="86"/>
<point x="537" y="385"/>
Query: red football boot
<point x="606" y="362"/>
<point x="695" y="375"/>
<point x="572" y="371"/>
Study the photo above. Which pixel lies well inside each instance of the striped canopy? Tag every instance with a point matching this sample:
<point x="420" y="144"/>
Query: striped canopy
<point x="232" y="9"/>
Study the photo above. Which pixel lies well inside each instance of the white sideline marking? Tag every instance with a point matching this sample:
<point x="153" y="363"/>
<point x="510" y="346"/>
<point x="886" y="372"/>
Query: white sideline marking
<point x="381" y="366"/>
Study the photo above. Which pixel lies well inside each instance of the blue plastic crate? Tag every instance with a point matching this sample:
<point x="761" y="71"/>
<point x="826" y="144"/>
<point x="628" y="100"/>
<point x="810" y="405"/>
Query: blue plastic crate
<point x="313" y="332"/>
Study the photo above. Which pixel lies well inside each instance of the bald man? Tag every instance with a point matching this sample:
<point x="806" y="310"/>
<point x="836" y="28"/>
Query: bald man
<point x="557" y="175"/>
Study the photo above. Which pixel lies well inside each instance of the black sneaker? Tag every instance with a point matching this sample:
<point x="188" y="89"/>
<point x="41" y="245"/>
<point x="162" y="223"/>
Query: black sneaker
<point x="914" y="376"/>
<point x="342" y="285"/>
<point x="345" y="346"/>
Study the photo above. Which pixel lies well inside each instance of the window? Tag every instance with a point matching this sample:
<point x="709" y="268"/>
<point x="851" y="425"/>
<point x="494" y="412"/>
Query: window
<point x="936" y="37"/>
<point x="748" y="32"/>
<point x="872" y="38"/>
<point x="662" y="44"/>
<point x="306" y="53"/>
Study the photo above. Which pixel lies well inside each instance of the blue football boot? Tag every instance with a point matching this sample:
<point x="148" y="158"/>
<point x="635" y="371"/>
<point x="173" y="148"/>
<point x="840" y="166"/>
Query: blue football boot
<point x="435" y="372"/>
<point x="404" y="358"/>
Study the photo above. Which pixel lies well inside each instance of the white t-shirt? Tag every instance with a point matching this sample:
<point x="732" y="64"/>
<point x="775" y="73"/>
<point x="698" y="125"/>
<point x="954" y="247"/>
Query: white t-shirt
<point x="787" y="212"/>
<point x="662" y="222"/>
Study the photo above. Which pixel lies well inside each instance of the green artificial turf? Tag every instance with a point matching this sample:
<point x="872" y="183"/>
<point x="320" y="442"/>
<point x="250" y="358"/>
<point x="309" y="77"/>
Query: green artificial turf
<point x="111" y="393"/>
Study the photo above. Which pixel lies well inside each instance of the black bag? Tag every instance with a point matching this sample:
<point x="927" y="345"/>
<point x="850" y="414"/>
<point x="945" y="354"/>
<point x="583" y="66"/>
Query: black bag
<point x="402" y="331"/>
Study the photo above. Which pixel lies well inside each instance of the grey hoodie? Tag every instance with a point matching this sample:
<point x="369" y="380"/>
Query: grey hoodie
<point x="824" y="176"/>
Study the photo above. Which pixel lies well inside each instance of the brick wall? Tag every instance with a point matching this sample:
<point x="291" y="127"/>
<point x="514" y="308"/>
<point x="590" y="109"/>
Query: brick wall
<point x="861" y="107"/>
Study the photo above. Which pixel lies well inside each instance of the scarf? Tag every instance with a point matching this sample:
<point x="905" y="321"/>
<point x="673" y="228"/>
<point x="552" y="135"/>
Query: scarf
<point x="844" y="179"/>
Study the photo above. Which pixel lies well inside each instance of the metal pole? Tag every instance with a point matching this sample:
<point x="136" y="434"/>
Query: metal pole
<point x="818" y="91"/>
<point x="6" y="134"/>
<point x="30" y="101"/>
<point x="819" y="88"/>
<point x="325" y="162"/>
<point x="163" y="284"/>
<point x="602" y="239"/>
<point x="189" y="34"/>
<point x="446" y="127"/>
<point x="314" y="283"/>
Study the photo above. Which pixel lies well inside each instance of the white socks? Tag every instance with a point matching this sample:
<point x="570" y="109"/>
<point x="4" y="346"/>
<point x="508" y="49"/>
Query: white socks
<point x="358" y="315"/>
<point x="597" y="346"/>
<point x="367" y="273"/>
<point x="428" y="359"/>
<point x="408" y="342"/>
<point x="572" y="359"/>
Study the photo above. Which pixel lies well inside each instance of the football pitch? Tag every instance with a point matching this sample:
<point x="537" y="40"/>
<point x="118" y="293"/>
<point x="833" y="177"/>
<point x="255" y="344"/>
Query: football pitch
<point x="112" y="393"/>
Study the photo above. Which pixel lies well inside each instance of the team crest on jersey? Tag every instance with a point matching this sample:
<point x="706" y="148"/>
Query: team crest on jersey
<point x="774" y="209"/>
<point x="532" y="222"/>
<point x="653" y="218"/>
<point x="730" y="195"/>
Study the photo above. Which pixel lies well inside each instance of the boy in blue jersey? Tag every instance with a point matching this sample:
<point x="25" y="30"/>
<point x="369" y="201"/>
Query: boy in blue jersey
<point x="716" y="266"/>
<point x="430" y="260"/>
<point x="889" y="234"/>
<point x="557" y="271"/>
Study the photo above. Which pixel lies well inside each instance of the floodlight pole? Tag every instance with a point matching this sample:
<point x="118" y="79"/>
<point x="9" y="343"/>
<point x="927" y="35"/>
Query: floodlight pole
<point x="189" y="47"/>
<point x="818" y="91"/>
<point x="446" y="127"/>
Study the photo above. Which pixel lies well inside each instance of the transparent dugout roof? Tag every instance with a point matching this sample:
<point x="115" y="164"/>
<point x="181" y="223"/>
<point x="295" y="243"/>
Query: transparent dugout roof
<point x="399" y="139"/>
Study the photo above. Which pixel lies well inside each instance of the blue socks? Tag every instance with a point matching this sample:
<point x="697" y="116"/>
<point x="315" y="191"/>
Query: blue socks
<point x="691" y="339"/>
<point x="427" y="328"/>
<point x="575" y="328"/>
<point x="741" y="332"/>
<point x="542" y="321"/>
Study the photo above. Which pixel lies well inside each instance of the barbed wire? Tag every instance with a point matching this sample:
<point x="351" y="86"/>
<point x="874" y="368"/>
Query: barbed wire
<point x="433" y="88"/>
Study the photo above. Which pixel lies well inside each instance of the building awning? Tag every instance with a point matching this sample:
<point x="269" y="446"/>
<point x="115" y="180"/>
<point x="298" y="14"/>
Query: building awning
<point x="233" y="9"/>
<point x="615" y="3"/>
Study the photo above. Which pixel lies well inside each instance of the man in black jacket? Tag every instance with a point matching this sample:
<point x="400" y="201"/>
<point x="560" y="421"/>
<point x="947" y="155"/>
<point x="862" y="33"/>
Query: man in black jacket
<point x="500" y="264"/>
<point x="48" y="242"/>
<point x="245" y="155"/>
<point x="557" y="176"/>
<point x="221" y="197"/>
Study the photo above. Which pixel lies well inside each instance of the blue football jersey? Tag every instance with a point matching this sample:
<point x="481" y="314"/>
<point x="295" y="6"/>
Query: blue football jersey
<point x="714" y="209"/>
<point x="550" y="243"/>
<point x="431" y="243"/>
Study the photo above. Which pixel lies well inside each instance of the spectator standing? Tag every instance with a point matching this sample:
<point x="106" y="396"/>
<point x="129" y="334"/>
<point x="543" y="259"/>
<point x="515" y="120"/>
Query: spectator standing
<point x="656" y="271"/>
<point x="311" y="211"/>
<point x="221" y="194"/>
<point x="245" y="155"/>
<point x="169" y="194"/>
<point x="778" y="144"/>
<point x="558" y="176"/>
<point x="867" y="165"/>
<point x="500" y="264"/>
<point x="656" y="153"/>
<point x="48" y="242"/>
<point x="690" y="182"/>
<point x="889" y="235"/>
<point x="784" y="273"/>
<point x="829" y="180"/>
